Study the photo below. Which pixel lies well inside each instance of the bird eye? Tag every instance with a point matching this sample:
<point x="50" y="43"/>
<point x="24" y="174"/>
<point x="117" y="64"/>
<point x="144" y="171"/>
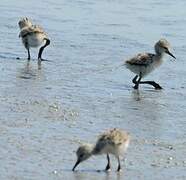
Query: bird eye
<point x="81" y="155"/>
<point x="165" y="48"/>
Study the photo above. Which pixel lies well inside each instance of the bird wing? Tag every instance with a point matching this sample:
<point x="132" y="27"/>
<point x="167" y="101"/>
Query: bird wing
<point x="141" y="59"/>
<point x="113" y="137"/>
<point x="30" y="30"/>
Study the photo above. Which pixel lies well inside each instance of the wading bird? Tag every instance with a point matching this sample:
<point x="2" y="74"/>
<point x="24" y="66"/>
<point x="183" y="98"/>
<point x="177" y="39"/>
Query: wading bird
<point x="144" y="63"/>
<point x="33" y="36"/>
<point x="114" y="141"/>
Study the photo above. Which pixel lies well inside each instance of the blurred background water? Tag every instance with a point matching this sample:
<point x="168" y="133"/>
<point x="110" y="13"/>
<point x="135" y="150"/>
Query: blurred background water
<point x="45" y="113"/>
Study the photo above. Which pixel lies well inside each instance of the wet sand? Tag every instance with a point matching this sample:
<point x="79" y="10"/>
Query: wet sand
<point x="45" y="113"/>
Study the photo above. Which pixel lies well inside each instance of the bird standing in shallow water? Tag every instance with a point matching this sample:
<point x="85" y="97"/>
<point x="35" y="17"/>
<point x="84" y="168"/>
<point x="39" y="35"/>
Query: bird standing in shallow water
<point x="143" y="63"/>
<point x="114" y="141"/>
<point x="32" y="36"/>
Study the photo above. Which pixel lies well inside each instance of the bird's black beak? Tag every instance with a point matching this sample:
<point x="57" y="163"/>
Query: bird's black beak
<point x="168" y="52"/>
<point x="78" y="161"/>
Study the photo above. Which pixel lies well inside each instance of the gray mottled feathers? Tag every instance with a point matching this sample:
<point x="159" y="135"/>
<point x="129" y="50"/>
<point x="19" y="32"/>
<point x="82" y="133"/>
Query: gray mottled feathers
<point x="141" y="59"/>
<point x="31" y="30"/>
<point x="113" y="137"/>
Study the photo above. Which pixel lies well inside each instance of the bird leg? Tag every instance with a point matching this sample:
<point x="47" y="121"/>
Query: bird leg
<point x="119" y="165"/>
<point x="42" y="48"/>
<point x="28" y="53"/>
<point x="156" y="86"/>
<point x="135" y="79"/>
<point x="137" y="82"/>
<point x="108" y="164"/>
<point x="28" y="50"/>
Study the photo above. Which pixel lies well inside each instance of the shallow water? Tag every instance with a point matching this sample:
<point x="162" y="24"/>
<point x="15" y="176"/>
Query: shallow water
<point x="45" y="113"/>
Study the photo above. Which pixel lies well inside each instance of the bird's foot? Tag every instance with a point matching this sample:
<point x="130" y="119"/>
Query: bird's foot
<point x="108" y="170"/>
<point x="119" y="170"/>
<point x="41" y="59"/>
<point x="158" y="87"/>
<point x="136" y="86"/>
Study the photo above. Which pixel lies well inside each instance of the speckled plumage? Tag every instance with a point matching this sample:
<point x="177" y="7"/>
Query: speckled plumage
<point x="111" y="141"/>
<point x="31" y="30"/>
<point x="141" y="59"/>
